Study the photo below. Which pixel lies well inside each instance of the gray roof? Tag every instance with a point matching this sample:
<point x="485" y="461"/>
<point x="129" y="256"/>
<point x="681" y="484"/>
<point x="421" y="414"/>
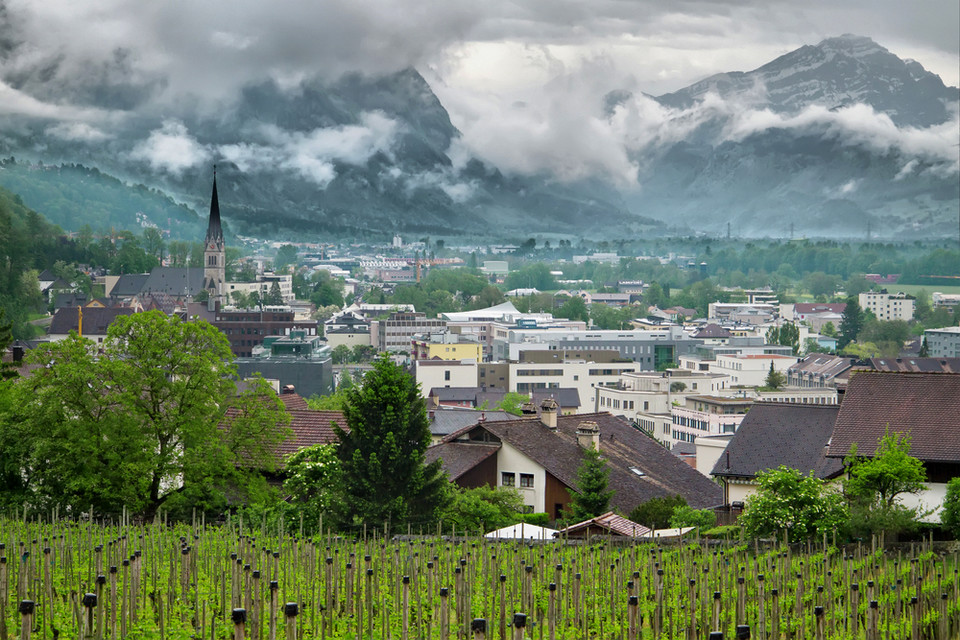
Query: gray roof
<point x="129" y="285"/>
<point x="774" y="434"/>
<point x="175" y="281"/>
<point x="95" y="320"/>
<point x="447" y="420"/>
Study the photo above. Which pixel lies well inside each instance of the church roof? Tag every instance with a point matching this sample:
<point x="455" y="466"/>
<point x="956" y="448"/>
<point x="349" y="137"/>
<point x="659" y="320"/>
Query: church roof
<point x="214" y="231"/>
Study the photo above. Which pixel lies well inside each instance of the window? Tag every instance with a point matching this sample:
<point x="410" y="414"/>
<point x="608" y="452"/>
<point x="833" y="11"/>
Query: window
<point x="526" y="480"/>
<point x="507" y="479"/>
<point x="446" y="375"/>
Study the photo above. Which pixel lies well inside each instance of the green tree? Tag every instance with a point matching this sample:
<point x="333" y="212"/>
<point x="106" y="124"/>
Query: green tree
<point x="687" y="516"/>
<point x="850" y="323"/>
<point x="286" y="255"/>
<point x="482" y="508"/>
<point x="787" y="335"/>
<point x="513" y="402"/>
<point x="312" y="478"/>
<point x="775" y="379"/>
<point x="787" y="500"/>
<point x="148" y="419"/>
<point x="592" y="497"/>
<point x="274" y="296"/>
<point x="153" y="243"/>
<point x="574" y="309"/>
<point x="382" y="455"/>
<point x="951" y="508"/>
<point x="655" y="296"/>
<point x="656" y="512"/>
<point x="875" y="485"/>
<point x="340" y="354"/>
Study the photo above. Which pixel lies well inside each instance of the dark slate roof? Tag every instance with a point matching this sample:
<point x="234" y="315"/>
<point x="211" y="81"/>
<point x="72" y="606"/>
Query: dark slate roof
<point x="928" y="365"/>
<point x="71" y="299"/>
<point x="774" y="434"/>
<point x="713" y="331"/>
<point x="95" y="320"/>
<point x="566" y="397"/>
<point x="454" y="394"/>
<point x="459" y="457"/>
<point x="175" y="281"/>
<point x="622" y="446"/>
<point x="447" y="420"/>
<point x="129" y="285"/>
<point x="926" y="405"/>
<point x="823" y="364"/>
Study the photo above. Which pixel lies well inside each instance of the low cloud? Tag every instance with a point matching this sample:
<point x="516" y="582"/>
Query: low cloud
<point x="171" y="148"/>
<point x="314" y="154"/>
<point x="77" y="132"/>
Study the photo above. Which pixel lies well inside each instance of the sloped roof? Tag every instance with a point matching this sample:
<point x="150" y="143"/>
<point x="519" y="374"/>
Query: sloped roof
<point x="95" y="320"/>
<point x="925" y="405"/>
<point x="460" y="457"/>
<point x="774" y="434"/>
<point x="640" y="468"/>
<point x="496" y="311"/>
<point x="713" y="331"/>
<point x="175" y="281"/>
<point x="610" y="522"/>
<point x="294" y="401"/>
<point x="310" y="428"/>
<point x="454" y="394"/>
<point x="929" y="365"/>
<point x="129" y="284"/>
<point x="823" y="364"/>
<point x="523" y="531"/>
<point x="447" y="420"/>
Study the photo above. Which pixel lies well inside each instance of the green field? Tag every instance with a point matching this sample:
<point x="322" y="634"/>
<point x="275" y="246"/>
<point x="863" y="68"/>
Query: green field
<point x="181" y="581"/>
<point x="912" y="289"/>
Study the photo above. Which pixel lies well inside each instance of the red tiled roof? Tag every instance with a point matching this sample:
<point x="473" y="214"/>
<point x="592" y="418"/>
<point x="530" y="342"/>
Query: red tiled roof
<point x="616" y="525"/>
<point x="293" y="401"/>
<point x="309" y="428"/>
<point x="925" y="405"/>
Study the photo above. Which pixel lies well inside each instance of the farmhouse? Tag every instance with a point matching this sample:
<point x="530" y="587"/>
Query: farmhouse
<point x="540" y="456"/>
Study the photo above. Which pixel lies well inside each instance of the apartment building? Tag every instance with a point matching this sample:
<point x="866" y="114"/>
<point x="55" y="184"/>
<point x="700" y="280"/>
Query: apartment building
<point x="888" y="306"/>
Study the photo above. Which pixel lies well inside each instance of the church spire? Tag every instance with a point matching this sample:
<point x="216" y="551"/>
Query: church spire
<point x="214" y="231"/>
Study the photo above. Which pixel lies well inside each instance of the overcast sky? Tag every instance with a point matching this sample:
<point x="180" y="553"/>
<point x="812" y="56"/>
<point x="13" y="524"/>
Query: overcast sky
<point x="489" y="61"/>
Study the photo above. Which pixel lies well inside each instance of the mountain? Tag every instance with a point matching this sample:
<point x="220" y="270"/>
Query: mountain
<point x="842" y="138"/>
<point x="361" y="155"/>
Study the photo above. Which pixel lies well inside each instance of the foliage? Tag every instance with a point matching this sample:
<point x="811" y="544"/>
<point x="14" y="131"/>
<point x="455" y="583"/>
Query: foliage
<point x="788" y="500"/>
<point x="513" y="402"/>
<point x="677" y="387"/>
<point x="787" y="335"/>
<point x="122" y="423"/>
<point x="656" y="512"/>
<point x="851" y="321"/>
<point x="606" y="317"/>
<point x="875" y="484"/>
<point x="775" y="379"/>
<point x="483" y="508"/>
<point x="382" y="454"/>
<point x="574" y="309"/>
<point x="286" y="256"/>
<point x="312" y="478"/>
<point x="531" y="276"/>
<point x="592" y="497"/>
<point x="274" y="296"/>
<point x="687" y="516"/>
<point x="951" y="508"/>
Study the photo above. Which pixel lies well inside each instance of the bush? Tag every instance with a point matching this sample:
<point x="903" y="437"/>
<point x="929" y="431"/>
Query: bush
<point x="951" y="508"/>
<point x="686" y="516"/>
<point x="656" y="512"/>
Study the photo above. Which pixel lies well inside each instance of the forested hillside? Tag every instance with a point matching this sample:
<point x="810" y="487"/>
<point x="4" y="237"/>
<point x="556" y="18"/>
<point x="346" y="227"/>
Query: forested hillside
<point x="72" y="195"/>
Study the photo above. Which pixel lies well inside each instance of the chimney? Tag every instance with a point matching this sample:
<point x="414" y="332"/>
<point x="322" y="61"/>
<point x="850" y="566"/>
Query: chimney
<point x="528" y="409"/>
<point x="548" y="413"/>
<point x="288" y="389"/>
<point x="588" y="435"/>
<point x="18" y="353"/>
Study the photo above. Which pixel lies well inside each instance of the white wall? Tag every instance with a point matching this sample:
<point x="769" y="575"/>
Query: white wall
<point x="510" y="459"/>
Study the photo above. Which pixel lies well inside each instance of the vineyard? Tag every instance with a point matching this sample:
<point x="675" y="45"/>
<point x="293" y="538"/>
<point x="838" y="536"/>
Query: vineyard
<point x="98" y="580"/>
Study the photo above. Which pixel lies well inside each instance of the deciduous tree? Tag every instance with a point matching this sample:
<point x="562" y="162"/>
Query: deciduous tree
<point x="787" y="500"/>
<point x="148" y="419"/>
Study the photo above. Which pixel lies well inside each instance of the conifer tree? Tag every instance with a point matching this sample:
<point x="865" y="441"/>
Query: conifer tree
<point x="384" y="477"/>
<point x="593" y="498"/>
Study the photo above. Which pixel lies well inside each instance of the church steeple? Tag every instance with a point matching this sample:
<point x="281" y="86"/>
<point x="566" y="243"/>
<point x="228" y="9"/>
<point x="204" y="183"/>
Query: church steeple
<point x="214" y="251"/>
<point x="214" y="231"/>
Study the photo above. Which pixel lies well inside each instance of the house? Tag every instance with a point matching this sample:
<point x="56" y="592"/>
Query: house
<point x="608" y="524"/>
<point x="540" y="458"/>
<point x="91" y="322"/>
<point x="774" y="434"/>
<point x="445" y="420"/>
<point x="924" y="405"/>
